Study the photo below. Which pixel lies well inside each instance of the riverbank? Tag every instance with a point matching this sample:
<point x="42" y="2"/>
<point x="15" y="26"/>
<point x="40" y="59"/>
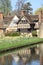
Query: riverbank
<point x="14" y="43"/>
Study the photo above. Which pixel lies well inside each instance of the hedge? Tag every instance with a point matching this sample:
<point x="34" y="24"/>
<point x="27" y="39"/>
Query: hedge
<point x="12" y="34"/>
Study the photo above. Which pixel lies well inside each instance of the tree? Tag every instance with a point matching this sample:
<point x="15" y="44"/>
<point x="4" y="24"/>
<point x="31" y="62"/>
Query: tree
<point x="5" y="6"/>
<point x="22" y="4"/>
<point x="27" y="7"/>
<point x="39" y="9"/>
<point x="19" y="4"/>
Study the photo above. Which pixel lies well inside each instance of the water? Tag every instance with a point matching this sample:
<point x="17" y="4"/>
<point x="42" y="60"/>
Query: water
<point x="12" y="59"/>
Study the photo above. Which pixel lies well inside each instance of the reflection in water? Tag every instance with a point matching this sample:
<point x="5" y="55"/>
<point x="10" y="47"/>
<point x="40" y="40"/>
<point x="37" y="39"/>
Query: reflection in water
<point x="2" y="61"/>
<point x="24" y="60"/>
<point x="6" y="60"/>
<point x="41" y="60"/>
<point x="34" y="63"/>
<point x="41" y="54"/>
<point x="15" y="57"/>
<point x="16" y="63"/>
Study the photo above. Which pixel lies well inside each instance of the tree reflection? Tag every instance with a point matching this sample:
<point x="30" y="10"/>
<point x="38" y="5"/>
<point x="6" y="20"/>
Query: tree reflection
<point x="41" y="60"/>
<point x="6" y="60"/>
<point x="2" y="61"/>
<point x="41" y="54"/>
<point x="24" y="60"/>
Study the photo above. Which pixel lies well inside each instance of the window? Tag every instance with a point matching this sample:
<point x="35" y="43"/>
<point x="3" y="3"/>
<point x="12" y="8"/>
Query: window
<point x="29" y="30"/>
<point x="24" y="21"/>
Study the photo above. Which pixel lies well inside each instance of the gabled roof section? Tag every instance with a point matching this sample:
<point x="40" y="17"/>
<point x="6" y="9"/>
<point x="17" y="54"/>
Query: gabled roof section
<point x="15" y="17"/>
<point x="7" y="20"/>
<point x="14" y="21"/>
<point x="28" y="17"/>
<point x="25" y="17"/>
<point x="31" y="18"/>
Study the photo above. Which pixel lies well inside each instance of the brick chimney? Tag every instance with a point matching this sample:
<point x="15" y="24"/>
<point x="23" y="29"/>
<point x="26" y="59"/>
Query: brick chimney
<point x="23" y="12"/>
<point x="40" y="16"/>
<point x="1" y="16"/>
<point x="40" y="24"/>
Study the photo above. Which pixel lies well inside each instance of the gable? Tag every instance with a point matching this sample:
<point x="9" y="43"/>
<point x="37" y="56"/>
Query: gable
<point x="24" y="20"/>
<point x="15" y="18"/>
<point x="24" y="23"/>
<point x="14" y="21"/>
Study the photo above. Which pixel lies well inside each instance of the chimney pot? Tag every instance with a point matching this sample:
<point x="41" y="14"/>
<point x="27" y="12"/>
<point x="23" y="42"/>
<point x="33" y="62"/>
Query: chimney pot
<point x="23" y="12"/>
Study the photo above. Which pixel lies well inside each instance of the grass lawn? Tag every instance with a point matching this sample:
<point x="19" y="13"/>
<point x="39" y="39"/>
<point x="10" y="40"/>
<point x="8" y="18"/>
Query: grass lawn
<point x="11" y="42"/>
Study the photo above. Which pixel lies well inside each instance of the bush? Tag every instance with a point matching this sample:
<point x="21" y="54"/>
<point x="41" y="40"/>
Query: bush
<point x="34" y="33"/>
<point x="12" y="34"/>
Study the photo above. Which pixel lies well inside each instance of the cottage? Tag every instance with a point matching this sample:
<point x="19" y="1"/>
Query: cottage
<point x="26" y="24"/>
<point x="23" y="23"/>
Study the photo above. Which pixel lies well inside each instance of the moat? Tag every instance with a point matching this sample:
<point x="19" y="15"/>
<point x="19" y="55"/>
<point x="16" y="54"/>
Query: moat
<point x="13" y="59"/>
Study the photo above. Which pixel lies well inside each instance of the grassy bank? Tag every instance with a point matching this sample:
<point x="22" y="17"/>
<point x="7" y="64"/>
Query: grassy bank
<point x="7" y="43"/>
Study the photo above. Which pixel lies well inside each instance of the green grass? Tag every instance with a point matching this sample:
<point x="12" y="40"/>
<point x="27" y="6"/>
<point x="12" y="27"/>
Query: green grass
<point x="7" y="43"/>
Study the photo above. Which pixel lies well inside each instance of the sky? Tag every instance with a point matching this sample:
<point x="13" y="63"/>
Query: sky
<point x="35" y="4"/>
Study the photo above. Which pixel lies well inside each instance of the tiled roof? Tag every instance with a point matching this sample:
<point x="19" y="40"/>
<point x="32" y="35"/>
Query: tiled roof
<point x="31" y="18"/>
<point x="34" y="17"/>
<point x="7" y="20"/>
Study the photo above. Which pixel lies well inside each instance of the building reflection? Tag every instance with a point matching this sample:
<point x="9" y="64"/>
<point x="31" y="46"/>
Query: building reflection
<point x="24" y="60"/>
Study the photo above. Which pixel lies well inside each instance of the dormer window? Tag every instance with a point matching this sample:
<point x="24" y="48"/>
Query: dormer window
<point x="23" y="21"/>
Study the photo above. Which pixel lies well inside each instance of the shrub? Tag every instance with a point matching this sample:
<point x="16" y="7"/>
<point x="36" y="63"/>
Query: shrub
<point x="34" y="33"/>
<point x="12" y="34"/>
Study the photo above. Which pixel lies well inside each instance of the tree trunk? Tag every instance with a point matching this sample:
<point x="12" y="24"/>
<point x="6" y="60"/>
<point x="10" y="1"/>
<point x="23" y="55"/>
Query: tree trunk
<point x="41" y="45"/>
